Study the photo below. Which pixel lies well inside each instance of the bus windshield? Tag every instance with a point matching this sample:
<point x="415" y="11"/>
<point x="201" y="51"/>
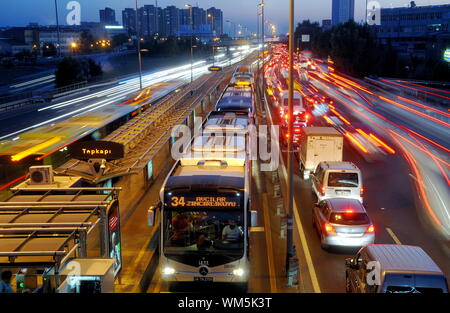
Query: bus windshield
<point x="207" y="231"/>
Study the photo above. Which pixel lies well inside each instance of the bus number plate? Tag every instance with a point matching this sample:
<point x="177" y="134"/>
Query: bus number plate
<point x="203" y="279"/>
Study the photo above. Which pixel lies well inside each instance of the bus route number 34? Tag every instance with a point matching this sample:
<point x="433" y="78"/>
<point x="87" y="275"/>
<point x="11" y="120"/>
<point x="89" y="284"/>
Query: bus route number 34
<point x="177" y="201"/>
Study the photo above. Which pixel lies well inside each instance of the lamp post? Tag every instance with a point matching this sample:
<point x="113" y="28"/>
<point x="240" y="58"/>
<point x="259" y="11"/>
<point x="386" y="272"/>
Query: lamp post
<point x="263" y="44"/>
<point x="257" y="35"/>
<point x="291" y="261"/>
<point x="211" y="16"/>
<point x="138" y="47"/>
<point x="213" y="28"/>
<point x="58" y="49"/>
<point x="192" y="33"/>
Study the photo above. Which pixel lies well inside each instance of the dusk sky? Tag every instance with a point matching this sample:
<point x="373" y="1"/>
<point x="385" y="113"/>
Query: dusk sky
<point x="21" y="12"/>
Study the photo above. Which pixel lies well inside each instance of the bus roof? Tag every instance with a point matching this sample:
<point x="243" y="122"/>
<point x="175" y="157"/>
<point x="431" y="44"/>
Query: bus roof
<point x="227" y="121"/>
<point x="216" y="151"/>
<point x="235" y="102"/>
<point x="204" y="183"/>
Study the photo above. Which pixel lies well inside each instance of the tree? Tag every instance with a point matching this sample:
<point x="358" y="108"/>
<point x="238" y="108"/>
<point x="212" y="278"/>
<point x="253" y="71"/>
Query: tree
<point x="75" y="70"/>
<point x="307" y="28"/>
<point x="119" y="39"/>
<point x="49" y="50"/>
<point x="86" y="42"/>
<point x="95" y="69"/>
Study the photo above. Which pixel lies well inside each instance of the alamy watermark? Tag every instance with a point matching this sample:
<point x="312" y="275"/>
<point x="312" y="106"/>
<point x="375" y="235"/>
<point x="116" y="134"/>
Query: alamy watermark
<point x="74" y="15"/>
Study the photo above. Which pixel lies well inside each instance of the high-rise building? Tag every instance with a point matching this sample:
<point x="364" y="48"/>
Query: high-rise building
<point x="185" y="18"/>
<point x="215" y="19"/>
<point x="147" y="19"/>
<point x="129" y="19"/>
<point x="170" y="21"/>
<point x="108" y="16"/>
<point x="198" y="17"/>
<point x="342" y="11"/>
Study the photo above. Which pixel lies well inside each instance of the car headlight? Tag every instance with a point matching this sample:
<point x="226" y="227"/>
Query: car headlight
<point x="168" y="271"/>
<point x="239" y="272"/>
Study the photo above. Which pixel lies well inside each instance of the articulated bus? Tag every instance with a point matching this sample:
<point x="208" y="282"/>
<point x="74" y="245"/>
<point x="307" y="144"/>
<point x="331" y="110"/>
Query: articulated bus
<point x="205" y="207"/>
<point x="243" y="76"/>
<point x="237" y="99"/>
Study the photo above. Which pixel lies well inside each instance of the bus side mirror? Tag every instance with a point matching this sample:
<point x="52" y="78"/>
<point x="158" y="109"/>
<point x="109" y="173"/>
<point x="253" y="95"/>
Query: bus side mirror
<point x="253" y="218"/>
<point x="151" y="214"/>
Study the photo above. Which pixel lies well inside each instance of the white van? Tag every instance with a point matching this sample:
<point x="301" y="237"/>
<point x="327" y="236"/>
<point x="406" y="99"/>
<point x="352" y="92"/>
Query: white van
<point x="388" y="268"/>
<point x="337" y="180"/>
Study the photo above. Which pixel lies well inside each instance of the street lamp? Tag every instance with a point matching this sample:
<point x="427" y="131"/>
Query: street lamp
<point x="58" y="45"/>
<point x="263" y="44"/>
<point x="291" y="260"/>
<point x="213" y="28"/>
<point x="192" y="33"/>
<point x="74" y="46"/>
<point x="138" y="47"/>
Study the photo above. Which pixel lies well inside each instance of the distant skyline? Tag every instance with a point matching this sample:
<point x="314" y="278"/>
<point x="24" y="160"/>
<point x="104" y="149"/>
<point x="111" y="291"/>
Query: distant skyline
<point x="22" y="12"/>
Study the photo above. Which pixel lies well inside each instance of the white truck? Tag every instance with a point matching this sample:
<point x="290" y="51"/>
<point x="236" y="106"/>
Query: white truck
<point x="318" y="144"/>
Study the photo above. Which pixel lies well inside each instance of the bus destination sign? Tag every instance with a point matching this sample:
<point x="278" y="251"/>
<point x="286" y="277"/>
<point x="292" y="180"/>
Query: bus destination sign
<point x="202" y="202"/>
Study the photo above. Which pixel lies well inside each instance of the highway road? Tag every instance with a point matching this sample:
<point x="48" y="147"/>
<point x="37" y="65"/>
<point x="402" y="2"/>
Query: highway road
<point x="391" y="199"/>
<point x="406" y="193"/>
<point x="113" y="94"/>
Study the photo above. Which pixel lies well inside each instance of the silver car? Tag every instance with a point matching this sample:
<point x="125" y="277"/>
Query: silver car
<point x="343" y="222"/>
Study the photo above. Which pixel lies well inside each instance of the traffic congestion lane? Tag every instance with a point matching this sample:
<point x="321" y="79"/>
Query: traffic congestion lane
<point x="398" y="208"/>
<point x="389" y="200"/>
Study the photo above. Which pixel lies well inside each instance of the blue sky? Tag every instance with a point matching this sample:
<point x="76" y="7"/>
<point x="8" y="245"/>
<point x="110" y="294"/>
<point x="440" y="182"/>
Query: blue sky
<point x="21" y="12"/>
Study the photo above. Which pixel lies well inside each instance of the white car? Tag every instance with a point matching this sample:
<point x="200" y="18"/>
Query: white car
<point x="343" y="222"/>
<point x="337" y="180"/>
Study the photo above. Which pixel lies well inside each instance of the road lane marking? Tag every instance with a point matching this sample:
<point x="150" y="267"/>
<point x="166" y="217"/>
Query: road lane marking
<point x="393" y="236"/>
<point x="268" y="235"/>
<point x="298" y="223"/>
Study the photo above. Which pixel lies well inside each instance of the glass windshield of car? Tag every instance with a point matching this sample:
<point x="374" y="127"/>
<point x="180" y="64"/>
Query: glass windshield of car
<point x="337" y="179"/>
<point x="188" y="232"/>
<point x="349" y="218"/>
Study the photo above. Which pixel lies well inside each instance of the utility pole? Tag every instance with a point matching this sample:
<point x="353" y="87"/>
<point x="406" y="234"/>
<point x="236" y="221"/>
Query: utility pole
<point x="156" y="18"/>
<point x="192" y="33"/>
<point x="263" y="46"/>
<point x="257" y="37"/>
<point x="138" y="46"/>
<point x="211" y="15"/>
<point x="365" y="19"/>
<point x="58" y="50"/>
<point x="291" y="260"/>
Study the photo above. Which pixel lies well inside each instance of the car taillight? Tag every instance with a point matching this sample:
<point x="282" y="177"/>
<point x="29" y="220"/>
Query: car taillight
<point x="322" y="191"/>
<point x="307" y="116"/>
<point x="370" y="229"/>
<point x="361" y="192"/>
<point x="329" y="228"/>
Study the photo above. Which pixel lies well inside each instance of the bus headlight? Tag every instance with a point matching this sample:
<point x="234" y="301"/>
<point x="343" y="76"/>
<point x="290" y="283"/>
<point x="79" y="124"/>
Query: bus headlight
<point x="238" y="272"/>
<point x="168" y="271"/>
